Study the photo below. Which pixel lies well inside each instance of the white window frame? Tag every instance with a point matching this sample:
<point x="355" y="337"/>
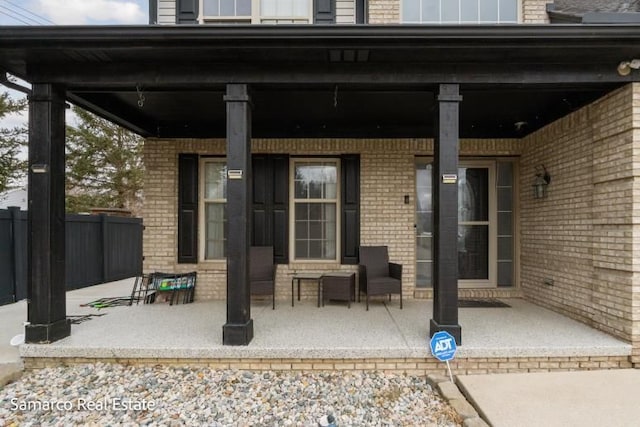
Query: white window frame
<point x="292" y="205"/>
<point x="519" y="18"/>
<point x="202" y="222"/>
<point x="256" y="16"/>
<point x="491" y="165"/>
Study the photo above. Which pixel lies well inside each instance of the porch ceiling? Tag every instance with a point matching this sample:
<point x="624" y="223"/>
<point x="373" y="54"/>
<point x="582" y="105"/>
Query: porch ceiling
<point x="325" y="81"/>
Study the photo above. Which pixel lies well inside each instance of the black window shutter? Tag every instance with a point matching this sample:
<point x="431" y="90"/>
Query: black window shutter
<point x="350" y="228"/>
<point x="324" y="11"/>
<point x="153" y="12"/>
<point x="186" y="11"/>
<point x="188" y="208"/>
<point x="270" y="216"/>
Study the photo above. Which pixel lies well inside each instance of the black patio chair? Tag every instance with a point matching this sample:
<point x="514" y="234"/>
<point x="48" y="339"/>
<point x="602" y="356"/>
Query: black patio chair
<point x="262" y="272"/>
<point x="378" y="276"/>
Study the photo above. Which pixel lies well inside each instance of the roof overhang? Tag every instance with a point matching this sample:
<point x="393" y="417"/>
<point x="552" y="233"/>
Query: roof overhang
<point x="324" y="80"/>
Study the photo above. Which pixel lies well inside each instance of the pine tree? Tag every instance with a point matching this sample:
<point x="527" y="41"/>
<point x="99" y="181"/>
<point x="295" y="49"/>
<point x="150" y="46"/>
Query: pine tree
<point x="104" y="165"/>
<point x="13" y="142"/>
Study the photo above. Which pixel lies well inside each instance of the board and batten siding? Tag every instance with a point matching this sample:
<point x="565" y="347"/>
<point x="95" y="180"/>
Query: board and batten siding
<point x="167" y="12"/>
<point x="345" y="11"/>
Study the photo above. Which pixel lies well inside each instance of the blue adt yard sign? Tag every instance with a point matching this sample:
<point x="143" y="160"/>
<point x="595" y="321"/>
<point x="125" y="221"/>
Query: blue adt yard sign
<point x="443" y="346"/>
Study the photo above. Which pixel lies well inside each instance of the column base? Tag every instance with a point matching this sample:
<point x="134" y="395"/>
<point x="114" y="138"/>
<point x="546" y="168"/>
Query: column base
<point x="454" y="330"/>
<point x="237" y="334"/>
<point x="47" y="333"/>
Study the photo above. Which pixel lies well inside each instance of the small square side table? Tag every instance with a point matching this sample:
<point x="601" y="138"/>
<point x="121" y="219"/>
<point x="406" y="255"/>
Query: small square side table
<point x="339" y="286"/>
<point x="305" y="276"/>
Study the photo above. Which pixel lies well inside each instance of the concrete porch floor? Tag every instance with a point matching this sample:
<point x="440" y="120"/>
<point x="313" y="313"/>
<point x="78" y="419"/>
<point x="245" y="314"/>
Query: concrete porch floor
<point x="194" y="331"/>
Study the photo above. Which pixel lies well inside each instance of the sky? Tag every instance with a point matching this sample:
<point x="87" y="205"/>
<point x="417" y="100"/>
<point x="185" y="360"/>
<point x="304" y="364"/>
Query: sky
<point x="67" y="12"/>
<point x="74" y="12"/>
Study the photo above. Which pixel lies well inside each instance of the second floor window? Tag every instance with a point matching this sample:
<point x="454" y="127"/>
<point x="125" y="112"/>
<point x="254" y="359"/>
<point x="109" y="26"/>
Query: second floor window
<point x="459" y="11"/>
<point x="257" y="11"/>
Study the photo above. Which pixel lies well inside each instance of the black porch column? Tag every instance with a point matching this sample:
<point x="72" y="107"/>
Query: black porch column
<point x="239" y="327"/>
<point x="46" y="225"/>
<point x="445" y="202"/>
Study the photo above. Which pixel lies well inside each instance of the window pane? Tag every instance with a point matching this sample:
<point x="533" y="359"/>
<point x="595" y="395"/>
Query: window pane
<point x="505" y="199"/>
<point x="473" y="194"/>
<point x="473" y="252"/>
<point x="488" y="11"/>
<point x="469" y="11"/>
<point x="411" y="11"/>
<point x="508" y="10"/>
<point x="215" y="232"/>
<point x="285" y="7"/>
<point x="505" y="248"/>
<point x="431" y="10"/>
<point x="505" y="174"/>
<point x="302" y="249"/>
<point x="315" y="228"/>
<point x="450" y="11"/>
<point x="268" y="7"/>
<point x="243" y="7"/>
<point x="301" y="8"/>
<point x="505" y="273"/>
<point x="227" y="7"/>
<point x="215" y="185"/>
<point x="301" y="190"/>
<point x="211" y="8"/>
<point x="315" y="181"/>
<point x="505" y="224"/>
<point x="424" y="274"/>
<point x="424" y="248"/>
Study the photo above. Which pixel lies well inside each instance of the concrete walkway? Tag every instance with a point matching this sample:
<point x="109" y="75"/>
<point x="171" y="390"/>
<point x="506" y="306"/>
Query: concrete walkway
<point x="563" y="399"/>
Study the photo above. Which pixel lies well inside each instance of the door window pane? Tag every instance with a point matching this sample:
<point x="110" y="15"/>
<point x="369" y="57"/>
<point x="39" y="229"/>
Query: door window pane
<point x="473" y="253"/>
<point x="473" y="194"/>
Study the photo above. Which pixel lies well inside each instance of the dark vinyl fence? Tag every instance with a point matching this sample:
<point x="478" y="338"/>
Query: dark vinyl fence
<point x="99" y="249"/>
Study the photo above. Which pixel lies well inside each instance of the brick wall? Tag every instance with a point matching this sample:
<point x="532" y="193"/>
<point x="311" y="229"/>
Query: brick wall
<point x="409" y="366"/>
<point x="384" y="11"/>
<point x="387" y="175"/>
<point x="584" y="235"/>
<point x="535" y="11"/>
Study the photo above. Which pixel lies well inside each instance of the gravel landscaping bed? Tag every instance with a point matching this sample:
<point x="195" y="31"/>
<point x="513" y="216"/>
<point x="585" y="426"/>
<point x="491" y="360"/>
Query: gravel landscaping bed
<point x="109" y="394"/>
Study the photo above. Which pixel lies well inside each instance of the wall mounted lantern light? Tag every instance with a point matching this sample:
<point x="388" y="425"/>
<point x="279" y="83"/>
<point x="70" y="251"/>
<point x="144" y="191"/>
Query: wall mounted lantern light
<point x="541" y="182"/>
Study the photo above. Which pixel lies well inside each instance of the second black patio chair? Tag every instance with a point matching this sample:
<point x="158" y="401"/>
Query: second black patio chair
<point x="262" y="272"/>
<point x="378" y="276"/>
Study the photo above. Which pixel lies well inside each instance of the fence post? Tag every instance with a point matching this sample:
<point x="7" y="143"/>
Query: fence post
<point x="105" y="246"/>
